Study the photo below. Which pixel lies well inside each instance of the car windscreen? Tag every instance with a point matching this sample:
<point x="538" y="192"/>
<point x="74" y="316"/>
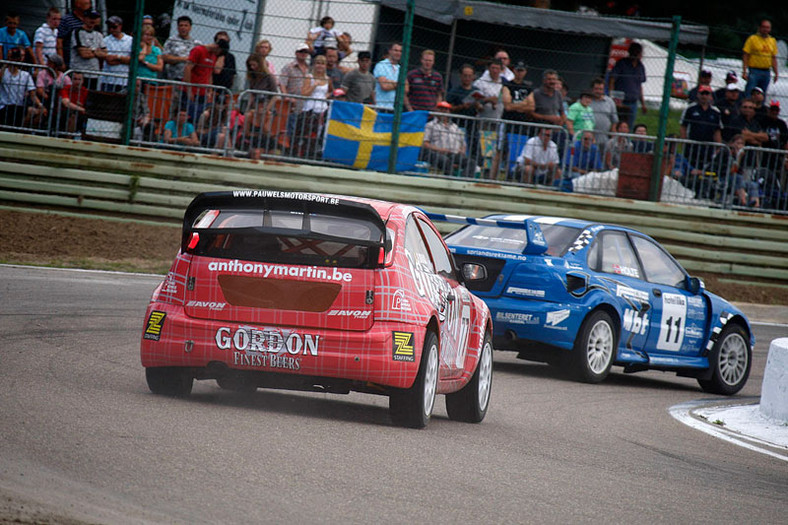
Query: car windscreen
<point x="288" y="237"/>
<point x="513" y="240"/>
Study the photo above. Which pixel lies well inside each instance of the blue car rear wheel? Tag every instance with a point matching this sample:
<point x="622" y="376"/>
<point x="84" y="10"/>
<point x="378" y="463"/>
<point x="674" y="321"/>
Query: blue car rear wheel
<point x="595" y="348"/>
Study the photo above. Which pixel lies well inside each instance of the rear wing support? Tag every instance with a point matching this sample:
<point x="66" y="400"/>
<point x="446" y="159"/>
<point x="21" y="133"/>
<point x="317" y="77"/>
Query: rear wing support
<point x="536" y="241"/>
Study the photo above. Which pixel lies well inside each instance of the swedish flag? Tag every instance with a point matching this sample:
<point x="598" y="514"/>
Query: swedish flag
<point x="361" y="137"/>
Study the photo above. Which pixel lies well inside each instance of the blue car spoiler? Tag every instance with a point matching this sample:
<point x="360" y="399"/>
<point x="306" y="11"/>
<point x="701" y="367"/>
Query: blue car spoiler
<point x="536" y="244"/>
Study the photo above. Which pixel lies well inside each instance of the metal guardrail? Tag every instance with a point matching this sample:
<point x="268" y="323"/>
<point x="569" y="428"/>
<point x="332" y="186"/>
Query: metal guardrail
<point x="26" y="108"/>
<point x="112" y="180"/>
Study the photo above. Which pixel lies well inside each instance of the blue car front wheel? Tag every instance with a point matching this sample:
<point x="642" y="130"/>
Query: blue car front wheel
<point x="730" y="361"/>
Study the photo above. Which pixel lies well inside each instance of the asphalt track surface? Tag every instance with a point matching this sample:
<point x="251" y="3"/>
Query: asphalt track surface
<point x="83" y="440"/>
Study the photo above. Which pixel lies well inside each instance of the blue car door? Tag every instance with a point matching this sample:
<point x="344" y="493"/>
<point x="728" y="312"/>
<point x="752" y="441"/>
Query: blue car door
<point x="613" y="254"/>
<point x="678" y="319"/>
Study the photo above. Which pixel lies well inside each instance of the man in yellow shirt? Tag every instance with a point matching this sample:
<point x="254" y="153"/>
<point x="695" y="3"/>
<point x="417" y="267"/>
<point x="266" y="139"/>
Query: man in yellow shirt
<point x="759" y="55"/>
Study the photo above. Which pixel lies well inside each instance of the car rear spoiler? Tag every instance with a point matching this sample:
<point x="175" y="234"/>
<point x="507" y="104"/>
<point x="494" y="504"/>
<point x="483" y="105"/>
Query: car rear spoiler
<point x="278" y="200"/>
<point x="536" y="241"/>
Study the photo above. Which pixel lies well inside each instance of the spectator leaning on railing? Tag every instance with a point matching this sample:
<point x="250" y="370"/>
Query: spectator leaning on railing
<point x="73" y="98"/>
<point x="16" y="85"/>
<point x="584" y="156"/>
<point x="47" y="85"/>
<point x="444" y="144"/>
<point x="539" y="158"/>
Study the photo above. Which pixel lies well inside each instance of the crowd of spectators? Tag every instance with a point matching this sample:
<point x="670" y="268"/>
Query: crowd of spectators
<point x="490" y="125"/>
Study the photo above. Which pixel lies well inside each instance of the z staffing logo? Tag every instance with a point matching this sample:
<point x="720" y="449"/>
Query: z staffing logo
<point x="402" y="349"/>
<point x="154" y="326"/>
<point x="555" y="318"/>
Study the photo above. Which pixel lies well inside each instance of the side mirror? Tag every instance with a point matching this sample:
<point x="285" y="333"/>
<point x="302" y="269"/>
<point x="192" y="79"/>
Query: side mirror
<point x="695" y="285"/>
<point x="474" y="272"/>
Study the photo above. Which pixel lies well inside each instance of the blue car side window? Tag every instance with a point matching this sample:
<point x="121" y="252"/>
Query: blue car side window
<point x="613" y="253"/>
<point x="660" y="268"/>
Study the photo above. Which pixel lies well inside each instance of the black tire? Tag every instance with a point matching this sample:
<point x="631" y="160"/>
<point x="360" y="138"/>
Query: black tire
<point x="471" y="402"/>
<point x="730" y="362"/>
<point x="412" y="407"/>
<point x="170" y="381"/>
<point x="236" y="383"/>
<point x="595" y="349"/>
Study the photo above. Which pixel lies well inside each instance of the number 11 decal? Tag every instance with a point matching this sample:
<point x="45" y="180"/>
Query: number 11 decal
<point x="671" y="329"/>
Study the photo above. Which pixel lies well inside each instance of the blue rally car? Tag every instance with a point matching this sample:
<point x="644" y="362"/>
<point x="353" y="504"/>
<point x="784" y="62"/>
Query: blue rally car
<point x="589" y="296"/>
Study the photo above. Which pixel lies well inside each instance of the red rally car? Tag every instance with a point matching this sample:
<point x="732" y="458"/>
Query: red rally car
<point x="323" y="293"/>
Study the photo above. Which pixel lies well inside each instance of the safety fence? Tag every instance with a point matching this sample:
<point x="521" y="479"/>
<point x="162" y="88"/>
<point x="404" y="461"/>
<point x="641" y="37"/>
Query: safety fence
<point x="99" y="178"/>
<point x="27" y="94"/>
<point x="291" y="128"/>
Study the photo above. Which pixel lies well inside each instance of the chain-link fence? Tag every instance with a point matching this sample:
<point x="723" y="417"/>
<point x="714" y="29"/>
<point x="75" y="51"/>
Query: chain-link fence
<point x="522" y="120"/>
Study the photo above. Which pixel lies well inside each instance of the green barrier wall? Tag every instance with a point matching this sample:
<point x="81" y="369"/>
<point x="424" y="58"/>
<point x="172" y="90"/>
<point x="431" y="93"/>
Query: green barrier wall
<point x="157" y="185"/>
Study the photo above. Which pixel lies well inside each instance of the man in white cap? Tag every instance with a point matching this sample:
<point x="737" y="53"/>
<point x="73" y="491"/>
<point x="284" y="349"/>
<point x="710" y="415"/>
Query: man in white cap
<point x="729" y="110"/>
<point x="758" y="97"/>
<point x="118" y="46"/>
<point x="291" y="82"/>
<point x="730" y="78"/>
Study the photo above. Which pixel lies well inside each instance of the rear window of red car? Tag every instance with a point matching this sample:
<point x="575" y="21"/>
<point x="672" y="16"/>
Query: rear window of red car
<point x="289" y="237"/>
